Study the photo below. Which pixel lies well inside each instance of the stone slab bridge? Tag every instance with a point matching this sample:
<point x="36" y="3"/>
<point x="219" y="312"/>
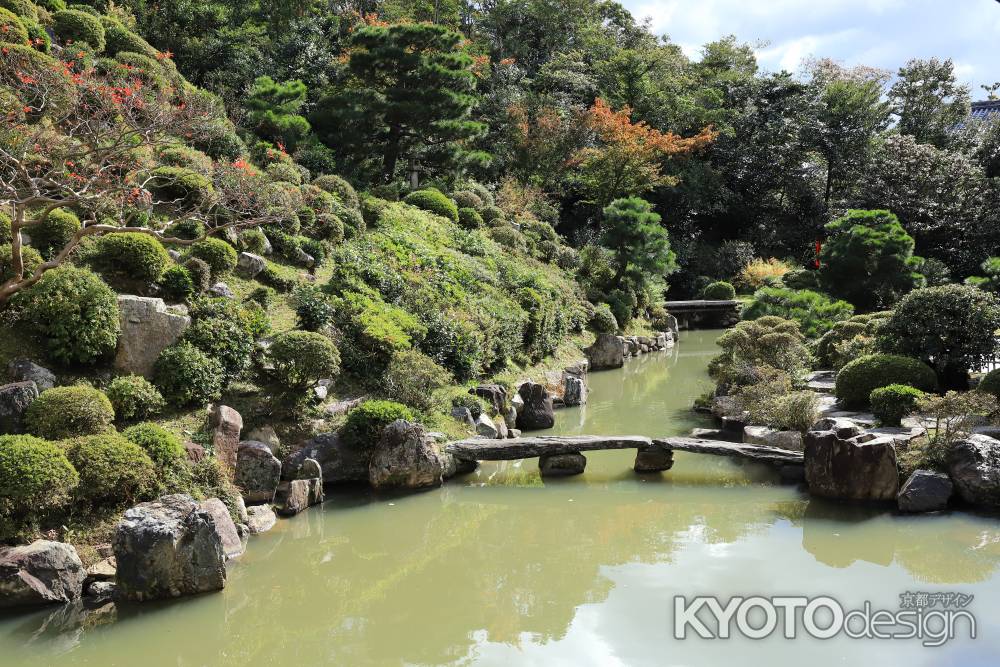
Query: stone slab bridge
<point x="562" y="455"/>
<point x="704" y="314"/>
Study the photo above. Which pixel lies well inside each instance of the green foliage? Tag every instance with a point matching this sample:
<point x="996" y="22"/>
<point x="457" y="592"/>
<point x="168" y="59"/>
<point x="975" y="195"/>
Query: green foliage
<point x="65" y="412"/>
<point x="312" y="308"/>
<point x="263" y="296"/>
<point x="162" y="446"/>
<point x="181" y="186"/>
<point x="366" y="422"/>
<point x="857" y="380"/>
<point x="35" y="478"/>
<point x="414" y="380"/>
<point x="302" y="358"/>
<point x="74" y="312"/>
<point x="187" y="229"/>
<point x="952" y="328"/>
<point x="187" y="376"/>
<point x="130" y="255"/>
<point x="280" y="278"/>
<point x="373" y="330"/>
<point x="816" y="313"/>
<point x="224" y="340"/>
<point x="772" y="402"/>
<point x="467" y="199"/>
<point x="134" y="397"/>
<point x="179" y="155"/>
<point x="469" y="218"/>
<point x="5" y="234"/>
<point x="12" y="29"/>
<point x="113" y="471"/>
<point x="493" y="215"/>
<point x="990" y="383"/>
<point x="850" y="339"/>
<point x="990" y="280"/>
<point x="434" y="202"/>
<point x="280" y="171"/>
<point x="200" y="272"/>
<point x="30" y="259"/>
<point x="53" y="233"/>
<point x="755" y="348"/>
<point x="176" y="284"/>
<point x="145" y="69"/>
<point x="893" y="402"/>
<point x="273" y="110"/>
<point x="71" y="25"/>
<point x="721" y="291"/>
<point x="254" y="241"/>
<point x="118" y="38"/>
<point x="340" y="188"/>
<point x="603" y="320"/>
<point x="954" y="414"/>
<point x="219" y="255"/>
<point x="868" y="259"/>
<point x="640" y="247"/>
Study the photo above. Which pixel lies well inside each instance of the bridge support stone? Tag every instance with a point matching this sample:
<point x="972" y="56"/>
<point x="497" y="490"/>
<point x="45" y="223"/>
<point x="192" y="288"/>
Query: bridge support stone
<point x="653" y="459"/>
<point x="562" y="465"/>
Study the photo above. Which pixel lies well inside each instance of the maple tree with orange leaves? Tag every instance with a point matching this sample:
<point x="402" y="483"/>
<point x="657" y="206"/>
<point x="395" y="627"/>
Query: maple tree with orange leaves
<point x="629" y="157"/>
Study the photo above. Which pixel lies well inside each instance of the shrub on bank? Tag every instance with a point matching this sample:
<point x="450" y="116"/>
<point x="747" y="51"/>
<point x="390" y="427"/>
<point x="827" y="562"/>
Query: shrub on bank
<point x="65" y="412"/>
<point x="130" y="255"/>
<point x="857" y="380"/>
<point x="469" y="218"/>
<point x="302" y="358"/>
<point x="603" y="320"/>
<point x="414" y="380"/>
<point x="719" y="291"/>
<point x="201" y="274"/>
<point x="990" y="383"/>
<point x="35" y="477"/>
<point x="893" y="402"/>
<point x="113" y="470"/>
<point x="434" y="202"/>
<point x="187" y="376"/>
<point x="71" y="25"/>
<point x="223" y="340"/>
<point x="768" y="342"/>
<point x="176" y="284"/>
<point x="54" y="232"/>
<point x="181" y="185"/>
<point x="365" y="423"/>
<point x="219" y="255"/>
<point x="340" y="188"/>
<point x="162" y="446"/>
<point x="467" y="199"/>
<point x="816" y="313"/>
<point x="30" y="259"/>
<point x="134" y="397"/>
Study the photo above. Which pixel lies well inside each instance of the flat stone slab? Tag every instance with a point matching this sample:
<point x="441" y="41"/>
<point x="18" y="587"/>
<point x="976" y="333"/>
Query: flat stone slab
<point x="822" y="381"/>
<point x="526" y="448"/>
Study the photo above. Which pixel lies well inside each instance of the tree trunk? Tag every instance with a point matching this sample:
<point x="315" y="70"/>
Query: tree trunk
<point x="391" y="155"/>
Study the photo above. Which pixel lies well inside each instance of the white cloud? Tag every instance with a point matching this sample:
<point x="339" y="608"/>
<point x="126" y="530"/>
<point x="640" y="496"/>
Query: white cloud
<point x="882" y="33"/>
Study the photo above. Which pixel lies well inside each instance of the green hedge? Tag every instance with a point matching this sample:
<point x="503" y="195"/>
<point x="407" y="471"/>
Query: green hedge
<point x="134" y="397"/>
<point x="35" y="477"/>
<point x="719" y="291"/>
<point x="113" y="471"/>
<point x="893" y="402"/>
<point x="366" y="422"/>
<point x="859" y="378"/>
<point x="130" y="255"/>
<point x="74" y="25"/>
<point x="187" y="376"/>
<point x="435" y="202"/>
<point x="65" y="412"/>
<point x="162" y="446"/>
<point x="302" y="358"/>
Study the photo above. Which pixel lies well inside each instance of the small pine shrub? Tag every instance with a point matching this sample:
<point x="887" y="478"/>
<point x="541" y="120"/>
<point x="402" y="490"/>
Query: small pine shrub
<point x="469" y="218"/>
<point x="893" y="402"/>
<point x="200" y="272"/>
<point x="113" y="471"/>
<point x="302" y="358"/>
<point x="187" y="376"/>
<point x="134" y="397"/>
<point x="176" y="284"/>
<point x="130" y="255"/>
<point x="366" y="422"/>
<point x="162" y="446"/>
<point x="66" y="412"/>
<point x="219" y="255"/>
<point x="340" y="188"/>
<point x="74" y="312"/>
<point x="719" y="291"/>
<point x="857" y="380"/>
<point x="434" y="202"/>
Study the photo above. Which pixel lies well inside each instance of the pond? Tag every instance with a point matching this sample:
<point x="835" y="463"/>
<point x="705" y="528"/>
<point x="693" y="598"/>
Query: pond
<point x="501" y="568"/>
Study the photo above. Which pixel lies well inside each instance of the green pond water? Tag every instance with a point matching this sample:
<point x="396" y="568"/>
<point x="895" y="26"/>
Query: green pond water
<point x="501" y="568"/>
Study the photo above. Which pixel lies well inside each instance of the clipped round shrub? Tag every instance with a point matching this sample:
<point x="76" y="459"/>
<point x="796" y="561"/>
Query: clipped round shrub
<point x="134" y="397"/>
<point x="23" y="8"/>
<point x="223" y="340"/>
<point x="178" y="155"/>
<point x="12" y="30"/>
<point x="801" y="279"/>
<point x="200" y="272"/>
<point x="176" y="284"/>
<point x="340" y="188"/>
<point x="469" y="218"/>
<point x="434" y="202"/>
<point x="603" y="320"/>
<point x="113" y="470"/>
<point x="302" y="358"/>
<point x="990" y="383"/>
<point x="187" y="229"/>
<point x="74" y="312"/>
<point x="467" y="199"/>
<point x="38" y="36"/>
<point x="35" y="476"/>
<point x="187" y="376"/>
<point x="66" y="412"/>
<point x="263" y="296"/>
<point x="893" y="402"/>
<point x="414" y="379"/>
<point x="119" y="38"/>
<point x="181" y="185"/>
<point x="219" y="255"/>
<point x="719" y="291"/>
<point x="52" y="234"/>
<point x="30" y="259"/>
<point x="131" y="255"/>
<point x="162" y="446"/>
<point x="493" y="215"/>
<point x="144" y="68"/>
<point x="253" y="240"/>
<point x="313" y="308"/>
<point x="857" y="380"/>
<point x="77" y="26"/>
<point x="372" y="209"/>
<point x="366" y="422"/>
<point x="354" y="222"/>
<point x="330" y="227"/>
<point x="285" y="173"/>
<point x="509" y="238"/>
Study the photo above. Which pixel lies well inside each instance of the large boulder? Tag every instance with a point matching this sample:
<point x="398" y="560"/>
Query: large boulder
<point x="574" y="390"/>
<point x="260" y="519"/>
<point x="608" y="351"/>
<point x="221" y="290"/>
<point x="26" y="370"/>
<point x="925" y="491"/>
<point x="339" y="462"/>
<point x="39" y="573"/>
<point x="14" y="401"/>
<point x="249" y="264"/>
<point x="854" y="469"/>
<point x="974" y="466"/>
<point x="406" y="458"/>
<point x="562" y="465"/>
<point x="769" y="437"/>
<point x="225" y="424"/>
<point x="232" y="544"/>
<point x="148" y="327"/>
<point x="299" y="494"/>
<point x="493" y="394"/>
<point x="257" y="472"/>
<point x="168" y="548"/>
<point x="537" y="413"/>
<point x="486" y="427"/>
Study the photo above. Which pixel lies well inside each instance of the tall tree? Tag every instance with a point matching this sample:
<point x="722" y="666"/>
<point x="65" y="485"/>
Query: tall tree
<point x="409" y="97"/>
<point x="274" y="110"/>
<point x="928" y="101"/>
<point x="641" y="246"/>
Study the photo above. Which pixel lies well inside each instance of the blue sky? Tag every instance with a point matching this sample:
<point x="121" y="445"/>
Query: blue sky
<point x="881" y="33"/>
